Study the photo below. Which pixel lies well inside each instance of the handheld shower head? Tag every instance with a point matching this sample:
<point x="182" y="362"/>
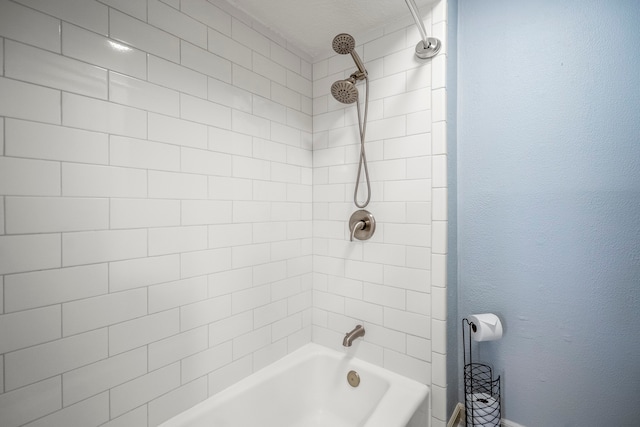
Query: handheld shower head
<point x="345" y="91"/>
<point x="345" y="43"/>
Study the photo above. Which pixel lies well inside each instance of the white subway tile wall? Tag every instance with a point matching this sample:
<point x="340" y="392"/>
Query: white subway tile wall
<point x="395" y="283"/>
<point x="175" y="185"/>
<point x="155" y="207"/>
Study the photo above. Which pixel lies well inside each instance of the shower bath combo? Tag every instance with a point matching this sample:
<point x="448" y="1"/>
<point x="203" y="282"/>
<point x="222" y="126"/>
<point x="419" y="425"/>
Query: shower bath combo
<point x="362" y="224"/>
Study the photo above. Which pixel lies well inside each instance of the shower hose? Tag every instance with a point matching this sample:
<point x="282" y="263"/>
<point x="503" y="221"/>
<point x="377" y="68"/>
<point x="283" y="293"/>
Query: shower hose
<point x="362" y="127"/>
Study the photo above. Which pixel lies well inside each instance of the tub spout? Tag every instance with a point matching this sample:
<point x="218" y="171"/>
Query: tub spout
<point x="358" y="331"/>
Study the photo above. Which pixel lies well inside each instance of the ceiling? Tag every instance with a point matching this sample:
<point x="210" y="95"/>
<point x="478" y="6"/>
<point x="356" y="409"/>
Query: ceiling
<point x="311" y="25"/>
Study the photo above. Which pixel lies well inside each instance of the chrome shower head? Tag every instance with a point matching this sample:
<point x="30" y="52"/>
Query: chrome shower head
<point x="345" y="91"/>
<point x="345" y="44"/>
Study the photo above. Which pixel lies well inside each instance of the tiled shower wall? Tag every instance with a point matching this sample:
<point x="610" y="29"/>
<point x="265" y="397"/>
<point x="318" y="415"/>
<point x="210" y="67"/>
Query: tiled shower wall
<point x="394" y="283"/>
<point x="155" y="207"/>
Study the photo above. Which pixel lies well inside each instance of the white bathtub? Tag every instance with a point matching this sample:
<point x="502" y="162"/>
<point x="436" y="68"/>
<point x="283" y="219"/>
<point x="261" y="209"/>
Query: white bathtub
<point x="309" y="388"/>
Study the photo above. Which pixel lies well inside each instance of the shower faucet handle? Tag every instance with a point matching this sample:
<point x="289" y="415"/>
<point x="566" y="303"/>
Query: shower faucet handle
<point x="362" y="225"/>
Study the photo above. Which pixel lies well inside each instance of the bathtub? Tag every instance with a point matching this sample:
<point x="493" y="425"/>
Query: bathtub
<point x="309" y="388"/>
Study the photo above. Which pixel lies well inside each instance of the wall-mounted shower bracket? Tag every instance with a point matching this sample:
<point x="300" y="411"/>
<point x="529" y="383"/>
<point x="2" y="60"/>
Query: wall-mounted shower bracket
<point x="362" y="225"/>
<point x="428" y="47"/>
<point x="426" y="52"/>
<point x="358" y="75"/>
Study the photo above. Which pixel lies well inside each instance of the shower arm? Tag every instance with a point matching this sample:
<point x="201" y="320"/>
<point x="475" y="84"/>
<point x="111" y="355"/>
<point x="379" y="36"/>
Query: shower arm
<point x="428" y="47"/>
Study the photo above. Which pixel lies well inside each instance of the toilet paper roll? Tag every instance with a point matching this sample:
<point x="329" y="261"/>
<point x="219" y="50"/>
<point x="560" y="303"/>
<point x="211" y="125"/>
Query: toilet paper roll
<point x="486" y="412"/>
<point x="487" y="327"/>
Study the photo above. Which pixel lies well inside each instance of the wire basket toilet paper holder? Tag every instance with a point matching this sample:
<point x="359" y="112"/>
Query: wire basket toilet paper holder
<point x="481" y="390"/>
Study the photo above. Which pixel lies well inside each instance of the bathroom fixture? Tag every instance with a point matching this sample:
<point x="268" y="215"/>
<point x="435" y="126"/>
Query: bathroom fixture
<point x="345" y="43"/>
<point x="428" y="47"/>
<point x="353" y="378"/>
<point x="308" y="388"/>
<point x="345" y="91"/>
<point x="358" y="331"/>
<point x="362" y="225"/>
<point x="482" y="390"/>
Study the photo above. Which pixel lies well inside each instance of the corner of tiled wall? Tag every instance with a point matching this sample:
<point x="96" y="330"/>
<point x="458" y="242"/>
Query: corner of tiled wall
<point x="155" y="207"/>
<point x="440" y="222"/>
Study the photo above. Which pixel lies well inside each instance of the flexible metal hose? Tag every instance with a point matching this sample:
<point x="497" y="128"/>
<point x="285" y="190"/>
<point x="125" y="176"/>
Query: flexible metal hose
<point x="362" y="127"/>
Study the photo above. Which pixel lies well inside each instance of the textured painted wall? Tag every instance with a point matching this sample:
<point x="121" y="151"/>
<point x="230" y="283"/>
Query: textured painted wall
<point x="549" y="203"/>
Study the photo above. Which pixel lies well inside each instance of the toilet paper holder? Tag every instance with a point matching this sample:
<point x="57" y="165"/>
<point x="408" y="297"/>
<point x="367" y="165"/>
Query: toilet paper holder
<point x="481" y="390"/>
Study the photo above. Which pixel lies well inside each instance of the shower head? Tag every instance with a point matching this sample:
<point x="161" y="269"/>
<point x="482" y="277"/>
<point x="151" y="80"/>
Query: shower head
<point x="345" y="91"/>
<point x="344" y="44"/>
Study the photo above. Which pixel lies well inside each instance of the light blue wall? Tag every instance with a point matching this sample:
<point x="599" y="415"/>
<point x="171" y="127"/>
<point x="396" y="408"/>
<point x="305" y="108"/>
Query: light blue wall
<point x="548" y="150"/>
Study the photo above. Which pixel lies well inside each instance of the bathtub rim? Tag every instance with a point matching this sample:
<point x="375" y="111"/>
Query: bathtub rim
<point x="402" y="391"/>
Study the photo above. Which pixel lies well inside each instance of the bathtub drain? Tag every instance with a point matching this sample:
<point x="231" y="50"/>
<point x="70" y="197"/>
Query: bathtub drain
<point x="353" y="378"/>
